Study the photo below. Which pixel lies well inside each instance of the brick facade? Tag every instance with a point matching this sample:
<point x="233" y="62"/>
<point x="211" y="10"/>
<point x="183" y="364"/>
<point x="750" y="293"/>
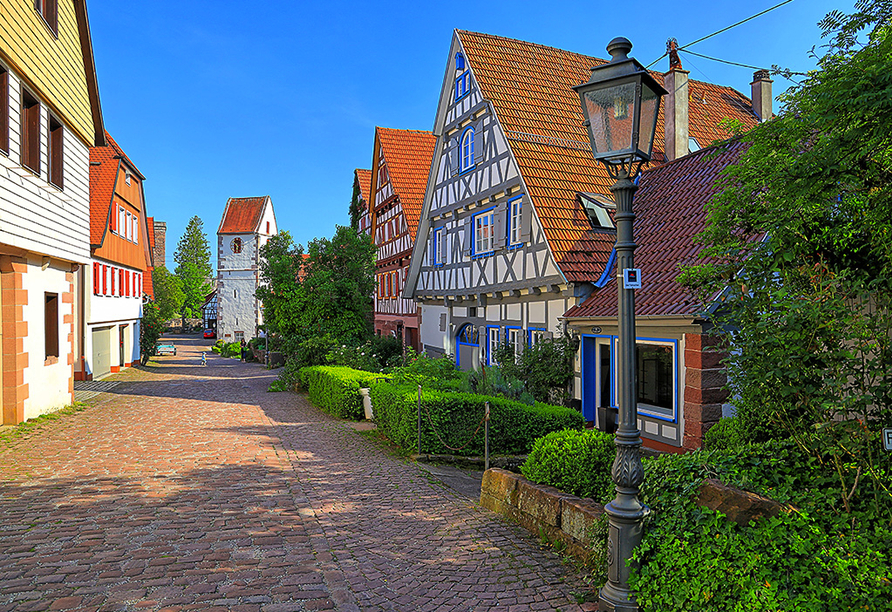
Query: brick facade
<point x="704" y="391"/>
<point x="13" y="298"/>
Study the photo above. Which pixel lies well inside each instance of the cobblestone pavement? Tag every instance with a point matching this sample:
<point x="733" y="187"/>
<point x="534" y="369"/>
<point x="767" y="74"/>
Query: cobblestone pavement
<point x="191" y="488"/>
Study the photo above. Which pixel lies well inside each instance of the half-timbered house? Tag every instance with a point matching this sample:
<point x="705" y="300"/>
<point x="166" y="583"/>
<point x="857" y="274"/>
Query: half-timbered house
<point x="400" y="166"/>
<point x="362" y="190"/>
<point x="49" y="118"/>
<point x="120" y="256"/>
<point x="516" y="226"/>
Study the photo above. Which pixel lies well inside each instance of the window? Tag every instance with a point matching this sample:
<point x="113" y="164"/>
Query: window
<point x="440" y="246"/>
<point x="30" y="132"/>
<point x="57" y="163"/>
<point x="515" y="209"/>
<point x="493" y="335"/>
<point x="267" y="227"/>
<point x="51" y="324"/>
<point x="459" y="61"/>
<point x="387" y="291"/>
<point x="461" y="85"/>
<point x="4" y="110"/>
<point x="127" y="177"/>
<point x="49" y="10"/>
<point x="536" y="336"/>
<point x="514" y="340"/>
<point x="483" y="233"/>
<point x="656" y="381"/>
<point x="466" y="161"/>
<point x="239" y="336"/>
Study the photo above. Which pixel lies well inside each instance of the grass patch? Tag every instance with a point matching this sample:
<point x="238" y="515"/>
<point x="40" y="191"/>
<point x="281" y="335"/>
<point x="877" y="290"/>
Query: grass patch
<point x="37" y="423"/>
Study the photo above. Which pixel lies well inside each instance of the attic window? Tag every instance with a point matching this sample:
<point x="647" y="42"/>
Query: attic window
<point x="49" y="10"/>
<point x="459" y="61"/>
<point x="127" y="176"/>
<point x="597" y="207"/>
<point x="693" y="145"/>
<point x="462" y="85"/>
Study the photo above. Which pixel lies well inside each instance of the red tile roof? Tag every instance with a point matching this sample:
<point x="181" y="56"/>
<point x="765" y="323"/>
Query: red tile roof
<point x="150" y="221"/>
<point x="365" y="184"/>
<point x="408" y="155"/>
<point x="670" y="210"/>
<point x="147" y="286"/>
<point x="103" y="174"/>
<point x="242" y="215"/>
<point x="529" y="86"/>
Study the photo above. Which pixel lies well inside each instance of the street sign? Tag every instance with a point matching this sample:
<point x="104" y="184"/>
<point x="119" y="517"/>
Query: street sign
<point x="887" y="439"/>
<point x="632" y="278"/>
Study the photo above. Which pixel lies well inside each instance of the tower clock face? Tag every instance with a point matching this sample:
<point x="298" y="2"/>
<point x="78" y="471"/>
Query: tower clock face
<point x="236" y="245"/>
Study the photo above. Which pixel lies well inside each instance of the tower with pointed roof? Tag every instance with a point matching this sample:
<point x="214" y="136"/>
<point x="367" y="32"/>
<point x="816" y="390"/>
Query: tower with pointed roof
<point x="400" y="166"/>
<point x="246" y="226"/>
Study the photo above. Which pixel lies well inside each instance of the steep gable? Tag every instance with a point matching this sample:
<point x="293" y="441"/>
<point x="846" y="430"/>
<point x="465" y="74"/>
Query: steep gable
<point x="530" y="89"/>
<point x="364" y="177"/>
<point x="407" y="155"/>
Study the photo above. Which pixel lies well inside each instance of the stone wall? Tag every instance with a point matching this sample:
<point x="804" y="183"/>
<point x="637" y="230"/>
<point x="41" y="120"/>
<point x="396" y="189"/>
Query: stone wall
<point x="543" y="510"/>
<point x="704" y="392"/>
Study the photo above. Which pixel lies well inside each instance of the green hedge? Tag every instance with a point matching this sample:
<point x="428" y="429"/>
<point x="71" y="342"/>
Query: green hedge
<point x="335" y="389"/>
<point x="456" y="416"/>
<point x="576" y="462"/>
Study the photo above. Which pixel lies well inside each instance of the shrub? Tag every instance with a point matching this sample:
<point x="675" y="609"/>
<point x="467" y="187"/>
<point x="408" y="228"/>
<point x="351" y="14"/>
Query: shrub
<point x="435" y="373"/>
<point x="451" y="419"/>
<point x="726" y="434"/>
<point x="288" y="379"/>
<point x="546" y="367"/>
<point x="232" y="349"/>
<point x="576" y="462"/>
<point x="824" y="555"/>
<point x="495" y="381"/>
<point x="335" y="389"/>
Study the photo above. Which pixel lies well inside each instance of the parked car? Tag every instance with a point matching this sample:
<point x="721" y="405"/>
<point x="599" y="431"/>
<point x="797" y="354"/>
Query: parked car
<point x="165" y="349"/>
<point x="210" y="333"/>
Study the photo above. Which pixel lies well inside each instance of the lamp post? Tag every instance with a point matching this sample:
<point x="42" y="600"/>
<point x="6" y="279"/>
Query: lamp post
<point x="621" y="102"/>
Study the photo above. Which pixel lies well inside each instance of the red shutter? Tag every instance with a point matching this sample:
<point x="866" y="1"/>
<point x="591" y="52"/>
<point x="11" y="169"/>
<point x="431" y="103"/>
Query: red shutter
<point x="127" y="283"/>
<point x="113" y="222"/>
<point x="95" y="278"/>
<point x="121" y="283"/>
<point x="104" y="275"/>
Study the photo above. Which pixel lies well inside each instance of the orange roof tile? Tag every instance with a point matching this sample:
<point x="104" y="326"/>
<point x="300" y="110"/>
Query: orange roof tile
<point x="408" y="155"/>
<point x="365" y="184"/>
<point x="147" y="286"/>
<point x="242" y="215"/>
<point x="530" y="88"/>
<point x="670" y="210"/>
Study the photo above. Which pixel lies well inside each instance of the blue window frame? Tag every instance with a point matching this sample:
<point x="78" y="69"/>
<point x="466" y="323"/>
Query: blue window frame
<point x="484" y="233"/>
<point x="459" y="61"/>
<point x="535" y="335"/>
<point x="439" y="246"/>
<point x="493" y="337"/>
<point x="514" y="337"/>
<point x="515" y="210"/>
<point x="466" y="150"/>
<point x="462" y="85"/>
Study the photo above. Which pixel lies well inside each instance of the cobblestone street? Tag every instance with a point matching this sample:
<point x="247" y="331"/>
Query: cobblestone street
<point x="185" y="487"/>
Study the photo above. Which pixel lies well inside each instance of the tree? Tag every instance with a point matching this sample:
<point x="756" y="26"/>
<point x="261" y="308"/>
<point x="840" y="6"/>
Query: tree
<point x="280" y="291"/>
<point x="193" y="257"/>
<point x="168" y="290"/>
<point x="150" y="328"/>
<point x="800" y="238"/>
<point x="355" y="206"/>
<point x="339" y="284"/>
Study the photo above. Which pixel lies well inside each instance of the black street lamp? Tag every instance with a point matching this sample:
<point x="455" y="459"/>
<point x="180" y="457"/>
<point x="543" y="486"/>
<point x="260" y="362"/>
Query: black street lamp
<point x="621" y="103"/>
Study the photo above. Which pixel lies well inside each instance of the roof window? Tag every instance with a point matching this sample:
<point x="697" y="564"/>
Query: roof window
<point x="598" y="208"/>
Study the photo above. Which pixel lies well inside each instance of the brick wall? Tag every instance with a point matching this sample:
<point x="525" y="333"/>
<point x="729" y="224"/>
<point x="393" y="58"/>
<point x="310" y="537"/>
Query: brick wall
<point x="703" y="391"/>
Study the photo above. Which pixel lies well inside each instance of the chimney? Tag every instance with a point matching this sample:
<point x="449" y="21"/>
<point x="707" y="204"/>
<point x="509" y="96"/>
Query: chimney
<point x="675" y="113"/>
<point x="762" y="95"/>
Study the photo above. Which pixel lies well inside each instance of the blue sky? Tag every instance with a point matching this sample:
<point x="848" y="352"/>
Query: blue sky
<point x="219" y="98"/>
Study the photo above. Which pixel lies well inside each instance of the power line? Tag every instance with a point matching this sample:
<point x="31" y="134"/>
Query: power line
<point x="691" y="44"/>
<point x="715" y="59"/>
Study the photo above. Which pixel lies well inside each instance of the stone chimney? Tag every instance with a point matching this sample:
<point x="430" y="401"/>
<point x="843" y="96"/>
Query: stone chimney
<point x="675" y="112"/>
<point x="160" y="252"/>
<point x="762" y="95"/>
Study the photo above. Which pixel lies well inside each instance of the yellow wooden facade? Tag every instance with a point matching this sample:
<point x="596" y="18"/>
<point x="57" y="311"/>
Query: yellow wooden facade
<point x="55" y="67"/>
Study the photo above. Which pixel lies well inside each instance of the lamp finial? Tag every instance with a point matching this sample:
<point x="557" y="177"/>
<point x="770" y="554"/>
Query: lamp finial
<point x="619" y="49"/>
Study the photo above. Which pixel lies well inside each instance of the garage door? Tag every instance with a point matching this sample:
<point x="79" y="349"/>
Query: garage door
<point x="101" y="352"/>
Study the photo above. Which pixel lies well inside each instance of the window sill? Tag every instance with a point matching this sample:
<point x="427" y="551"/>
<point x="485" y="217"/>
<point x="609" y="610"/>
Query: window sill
<point x="482" y="255"/>
<point x="467" y="170"/>
<point x="51" y="360"/>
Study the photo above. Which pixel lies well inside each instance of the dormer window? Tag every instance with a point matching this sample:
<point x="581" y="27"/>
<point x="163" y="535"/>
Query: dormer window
<point x="467" y="150"/>
<point x="459" y="61"/>
<point x="462" y="85"/>
<point x="598" y="207"/>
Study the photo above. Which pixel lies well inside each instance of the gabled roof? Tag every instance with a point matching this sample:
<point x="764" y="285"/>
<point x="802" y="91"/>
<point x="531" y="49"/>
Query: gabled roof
<point x="104" y="163"/>
<point x="408" y="155"/>
<point x="529" y="87"/>
<point x="242" y="215"/>
<point x="150" y="221"/>
<point x="365" y="184"/>
<point x="670" y="209"/>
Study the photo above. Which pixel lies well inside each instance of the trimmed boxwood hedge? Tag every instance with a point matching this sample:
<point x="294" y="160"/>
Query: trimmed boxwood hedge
<point x="513" y="426"/>
<point x="335" y="389"/>
<point x="576" y="462"/>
